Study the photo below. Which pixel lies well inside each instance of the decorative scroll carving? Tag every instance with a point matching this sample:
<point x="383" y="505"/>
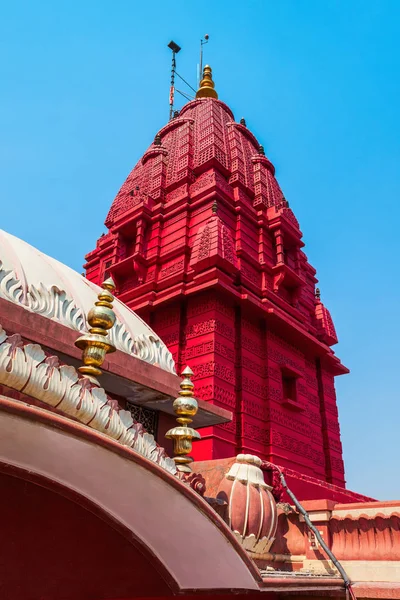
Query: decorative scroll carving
<point x="256" y="349"/>
<point x="205" y="243"/>
<point x="214" y="368"/>
<point x="203" y="348"/>
<point x="195" y="480"/>
<point x="255" y="388"/>
<point x="208" y="303"/>
<point x="27" y="368"/>
<point x="204" y="180"/>
<point x="254" y="408"/>
<point x="53" y="303"/>
<point x="171" y="269"/>
<point x="257" y="433"/>
<point x="121" y="338"/>
<point x="228" y="246"/>
<point x="217" y="393"/>
<point x="153" y="351"/>
<point x="208" y="326"/>
<point x="254" y="367"/>
<point x="10" y="286"/>
<point x="230" y="427"/>
<point x="171" y="338"/>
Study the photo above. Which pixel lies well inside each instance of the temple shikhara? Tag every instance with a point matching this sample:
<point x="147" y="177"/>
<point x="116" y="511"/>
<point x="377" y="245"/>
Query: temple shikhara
<point x="203" y="245"/>
<point x="168" y="422"/>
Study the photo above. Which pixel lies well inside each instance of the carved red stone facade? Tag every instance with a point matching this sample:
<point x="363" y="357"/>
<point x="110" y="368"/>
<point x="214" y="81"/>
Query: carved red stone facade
<point x="203" y="245"/>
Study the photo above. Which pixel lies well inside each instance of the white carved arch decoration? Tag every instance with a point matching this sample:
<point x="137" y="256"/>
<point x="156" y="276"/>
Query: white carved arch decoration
<point x="10" y="286"/>
<point x="54" y="303"/>
<point x="26" y="368"/>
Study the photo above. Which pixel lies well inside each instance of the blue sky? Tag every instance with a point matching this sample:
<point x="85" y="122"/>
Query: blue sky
<point x="84" y="88"/>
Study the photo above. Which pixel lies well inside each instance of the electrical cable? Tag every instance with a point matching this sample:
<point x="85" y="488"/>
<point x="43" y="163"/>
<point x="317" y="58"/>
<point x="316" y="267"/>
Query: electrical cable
<point x="184" y="81"/>
<point x="184" y="94"/>
<point x="328" y="552"/>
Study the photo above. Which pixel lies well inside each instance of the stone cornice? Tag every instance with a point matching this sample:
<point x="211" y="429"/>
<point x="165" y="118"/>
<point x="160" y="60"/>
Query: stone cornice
<point x="28" y="369"/>
<point x="57" y="304"/>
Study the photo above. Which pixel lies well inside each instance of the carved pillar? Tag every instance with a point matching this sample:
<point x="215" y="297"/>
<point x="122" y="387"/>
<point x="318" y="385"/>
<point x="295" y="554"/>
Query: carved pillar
<point x="280" y="250"/>
<point x="251" y="385"/>
<point x="297" y="259"/>
<point x="330" y="427"/>
<point x="210" y="349"/>
<point x="140" y="232"/>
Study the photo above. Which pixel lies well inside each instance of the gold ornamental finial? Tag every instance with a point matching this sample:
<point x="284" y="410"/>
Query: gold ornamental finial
<point x="206" y="89"/>
<point x="96" y="344"/>
<point x="185" y="407"/>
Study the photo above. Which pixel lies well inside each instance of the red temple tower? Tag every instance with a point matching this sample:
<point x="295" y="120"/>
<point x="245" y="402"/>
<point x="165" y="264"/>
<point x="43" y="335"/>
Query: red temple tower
<point x="203" y="246"/>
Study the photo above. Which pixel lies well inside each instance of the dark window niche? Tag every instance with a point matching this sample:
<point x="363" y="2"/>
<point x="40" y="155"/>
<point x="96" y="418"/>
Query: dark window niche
<point x="106" y="269"/>
<point x="289" y="389"/>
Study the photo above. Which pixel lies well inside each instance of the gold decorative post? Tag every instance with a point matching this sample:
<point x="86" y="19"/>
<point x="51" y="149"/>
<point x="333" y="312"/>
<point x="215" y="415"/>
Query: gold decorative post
<point x="206" y="89"/>
<point x="96" y="344"/>
<point x="185" y="407"/>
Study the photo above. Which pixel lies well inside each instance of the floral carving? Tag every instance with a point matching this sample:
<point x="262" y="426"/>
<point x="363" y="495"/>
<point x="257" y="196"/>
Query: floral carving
<point x="152" y="350"/>
<point x="27" y="368"/>
<point x="122" y="338"/>
<point x="205" y="243"/>
<point x="10" y="285"/>
<point x="195" y="480"/>
<point x="204" y="180"/>
<point x="54" y="303"/>
<point x="228" y="245"/>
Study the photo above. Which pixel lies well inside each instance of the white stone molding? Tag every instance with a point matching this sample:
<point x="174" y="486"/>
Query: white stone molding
<point x="10" y="286"/>
<point x="26" y="368"/>
<point x="54" y="303"/>
<point x="246" y="469"/>
<point x="146" y="347"/>
<point x="153" y="350"/>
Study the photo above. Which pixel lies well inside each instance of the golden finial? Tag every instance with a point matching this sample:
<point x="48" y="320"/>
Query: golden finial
<point x="206" y="89"/>
<point x="96" y="344"/>
<point x="185" y="407"/>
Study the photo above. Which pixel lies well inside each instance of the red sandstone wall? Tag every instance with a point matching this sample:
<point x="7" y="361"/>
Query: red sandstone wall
<point x="238" y="365"/>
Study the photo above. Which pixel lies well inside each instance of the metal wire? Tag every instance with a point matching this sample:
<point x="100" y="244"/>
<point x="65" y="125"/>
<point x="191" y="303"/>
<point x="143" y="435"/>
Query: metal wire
<point x="184" y="81"/>
<point x="184" y="94"/>
<point x="315" y="531"/>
